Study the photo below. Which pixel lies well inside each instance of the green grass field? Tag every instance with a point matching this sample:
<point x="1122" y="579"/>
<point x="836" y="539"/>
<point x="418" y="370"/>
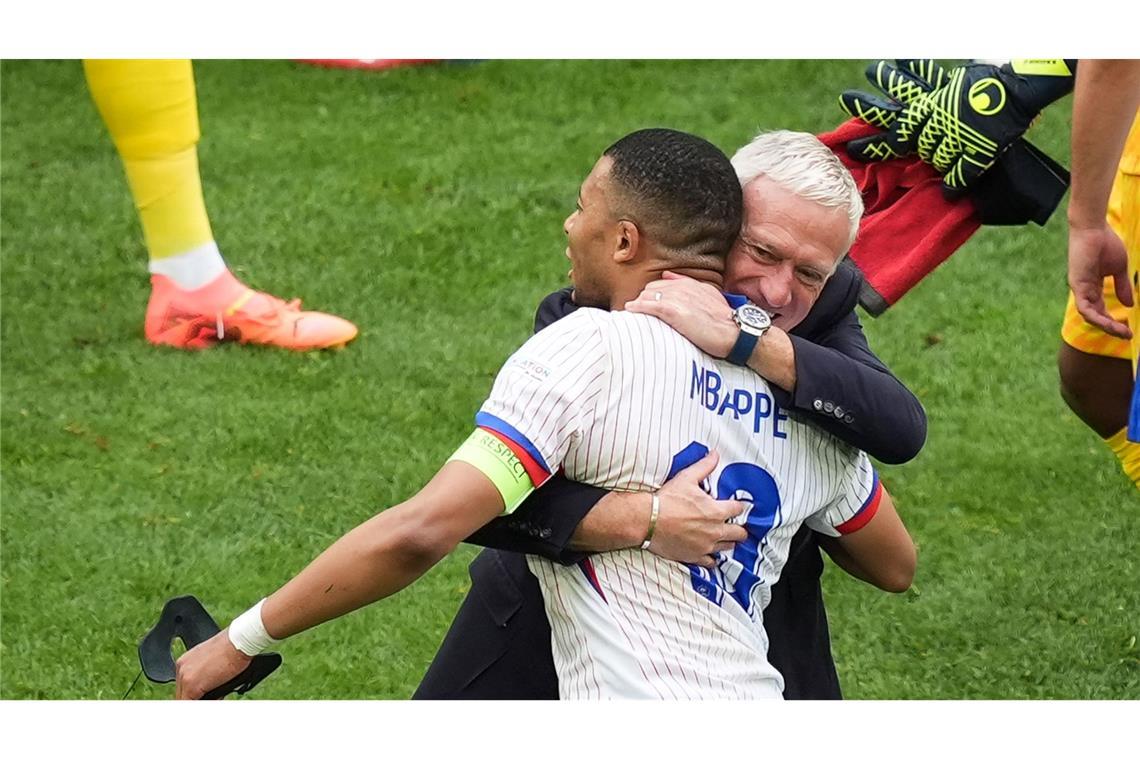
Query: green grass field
<point x="426" y="205"/>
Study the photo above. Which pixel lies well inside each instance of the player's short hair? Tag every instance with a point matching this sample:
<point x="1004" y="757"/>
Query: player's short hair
<point x="681" y="190"/>
<point x="801" y="164"/>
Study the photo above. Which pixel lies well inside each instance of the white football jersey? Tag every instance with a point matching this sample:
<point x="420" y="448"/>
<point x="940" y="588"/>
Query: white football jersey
<point x="621" y="401"/>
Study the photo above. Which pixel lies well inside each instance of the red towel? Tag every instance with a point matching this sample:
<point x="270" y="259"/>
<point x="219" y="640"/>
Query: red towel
<point x="908" y="228"/>
<point x="374" y="64"/>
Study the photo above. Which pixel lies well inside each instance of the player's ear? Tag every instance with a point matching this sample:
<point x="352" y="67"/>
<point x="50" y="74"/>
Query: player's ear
<point x="628" y="242"/>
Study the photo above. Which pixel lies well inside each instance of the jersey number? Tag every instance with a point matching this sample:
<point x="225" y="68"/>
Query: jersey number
<point x="745" y="482"/>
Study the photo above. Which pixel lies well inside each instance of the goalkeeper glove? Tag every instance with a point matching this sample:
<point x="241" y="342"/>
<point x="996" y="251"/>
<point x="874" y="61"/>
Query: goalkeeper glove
<point x="903" y="83"/>
<point x="959" y="121"/>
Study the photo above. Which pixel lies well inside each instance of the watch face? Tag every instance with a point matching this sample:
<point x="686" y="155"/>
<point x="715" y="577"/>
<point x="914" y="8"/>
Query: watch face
<point x="752" y="318"/>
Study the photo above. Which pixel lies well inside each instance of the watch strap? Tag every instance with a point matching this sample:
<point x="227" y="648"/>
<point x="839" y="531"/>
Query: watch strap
<point x="742" y="351"/>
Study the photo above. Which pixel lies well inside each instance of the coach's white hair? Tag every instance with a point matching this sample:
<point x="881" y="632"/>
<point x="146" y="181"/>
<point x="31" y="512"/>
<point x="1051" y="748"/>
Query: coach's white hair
<point x="801" y="164"/>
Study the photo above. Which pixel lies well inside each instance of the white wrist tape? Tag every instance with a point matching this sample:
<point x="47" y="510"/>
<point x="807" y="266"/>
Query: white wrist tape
<point x="248" y="634"/>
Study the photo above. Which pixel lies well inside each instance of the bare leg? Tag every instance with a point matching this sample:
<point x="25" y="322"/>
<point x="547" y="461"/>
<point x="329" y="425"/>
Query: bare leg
<point x="1097" y="388"/>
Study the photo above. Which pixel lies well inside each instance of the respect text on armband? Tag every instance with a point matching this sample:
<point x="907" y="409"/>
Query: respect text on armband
<point x="750" y="407"/>
<point x="504" y="455"/>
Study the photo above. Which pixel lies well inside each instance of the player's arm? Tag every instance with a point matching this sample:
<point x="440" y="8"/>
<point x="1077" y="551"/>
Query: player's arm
<point x="386" y="553"/>
<point x="374" y="560"/>
<point x="863" y="531"/>
<point x="1104" y="107"/>
<point x="879" y="552"/>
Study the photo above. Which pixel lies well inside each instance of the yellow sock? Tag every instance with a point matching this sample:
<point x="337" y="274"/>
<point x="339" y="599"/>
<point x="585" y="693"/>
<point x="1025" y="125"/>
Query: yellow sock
<point x="151" y="111"/>
<point x="1128" y="453"/>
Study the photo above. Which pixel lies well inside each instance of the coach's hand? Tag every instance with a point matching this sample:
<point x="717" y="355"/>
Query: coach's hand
<point x="208" y="665"/>
<point x="692" y="525"/>
<point x="693" y="308"/>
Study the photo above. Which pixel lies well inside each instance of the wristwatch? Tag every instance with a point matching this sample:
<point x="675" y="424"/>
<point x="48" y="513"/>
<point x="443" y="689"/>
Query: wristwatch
<point x="753" y="323"/>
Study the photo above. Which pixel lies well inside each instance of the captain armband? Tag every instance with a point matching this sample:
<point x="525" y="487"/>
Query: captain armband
<point x="493" y="458"/>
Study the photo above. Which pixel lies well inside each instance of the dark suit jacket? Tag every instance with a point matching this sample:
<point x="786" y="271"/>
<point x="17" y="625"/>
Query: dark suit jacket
<point x="498" y="647"/>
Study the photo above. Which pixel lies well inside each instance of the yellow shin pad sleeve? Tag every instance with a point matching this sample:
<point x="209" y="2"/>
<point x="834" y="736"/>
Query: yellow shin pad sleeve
<point x="151" y="111"/>
<point x="1128" y="453"/>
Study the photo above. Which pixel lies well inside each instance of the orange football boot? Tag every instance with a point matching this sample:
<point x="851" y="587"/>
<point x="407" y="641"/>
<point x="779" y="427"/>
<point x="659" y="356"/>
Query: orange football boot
<point x="226" y="310"/>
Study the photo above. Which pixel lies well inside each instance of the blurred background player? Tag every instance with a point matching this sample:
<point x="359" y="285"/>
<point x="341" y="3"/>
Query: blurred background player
<point x="1104" y="249"/>
<point x="961" y="121"/>
<point x="151" y="112"/>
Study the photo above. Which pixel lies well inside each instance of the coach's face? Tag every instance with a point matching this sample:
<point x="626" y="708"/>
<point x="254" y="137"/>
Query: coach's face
<point x="787" y="248"/>
<point x="593" y="234"/>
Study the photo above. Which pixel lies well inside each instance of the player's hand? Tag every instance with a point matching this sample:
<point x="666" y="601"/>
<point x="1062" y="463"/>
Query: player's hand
<point x="959" y="121"/>
<point x="1096" y="253"/>
<point x="692" y="526"/>
<point x="207" y="666"/>
<point x="693" y="308"/>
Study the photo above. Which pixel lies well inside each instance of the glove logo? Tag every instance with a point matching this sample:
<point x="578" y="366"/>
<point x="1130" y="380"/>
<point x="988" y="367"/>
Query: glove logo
<point x="987" y="96"/>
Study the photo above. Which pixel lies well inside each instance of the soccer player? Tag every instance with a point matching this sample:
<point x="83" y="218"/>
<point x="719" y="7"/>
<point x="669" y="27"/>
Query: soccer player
<point x="1104" y="249"/>
<point x="151" y="111"/>
<point x="620" y="400"/>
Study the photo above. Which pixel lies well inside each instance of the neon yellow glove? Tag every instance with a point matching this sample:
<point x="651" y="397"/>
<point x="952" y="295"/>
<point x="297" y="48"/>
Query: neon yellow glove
<point x="958" y="121"/>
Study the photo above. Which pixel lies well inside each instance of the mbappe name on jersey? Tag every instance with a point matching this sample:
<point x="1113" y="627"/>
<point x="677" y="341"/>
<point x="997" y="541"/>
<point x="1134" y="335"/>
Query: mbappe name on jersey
<point x="710" y="391"/>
